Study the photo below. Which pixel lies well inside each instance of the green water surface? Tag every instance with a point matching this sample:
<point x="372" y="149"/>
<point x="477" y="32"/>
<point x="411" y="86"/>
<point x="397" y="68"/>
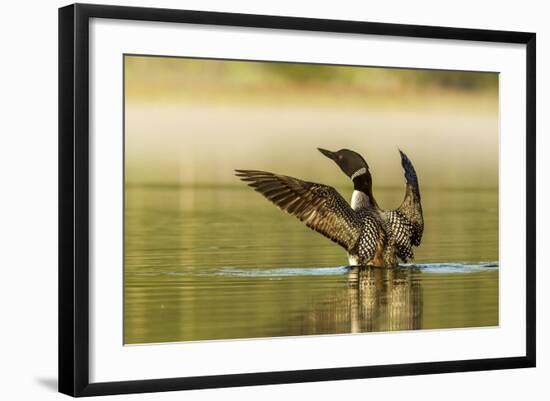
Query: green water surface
<point x="222" y="263"/>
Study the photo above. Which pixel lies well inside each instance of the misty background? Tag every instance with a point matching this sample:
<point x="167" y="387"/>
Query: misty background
<point x="192" y="122"/>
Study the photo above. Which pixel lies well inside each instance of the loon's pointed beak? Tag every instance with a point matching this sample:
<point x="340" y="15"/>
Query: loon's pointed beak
<point x="327" y="153"/>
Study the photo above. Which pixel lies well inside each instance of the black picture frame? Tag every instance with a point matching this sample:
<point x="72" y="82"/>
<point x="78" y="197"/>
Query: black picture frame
<point x="74" y="198"/>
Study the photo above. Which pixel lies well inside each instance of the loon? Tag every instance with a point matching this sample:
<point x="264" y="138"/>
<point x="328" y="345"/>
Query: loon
<point x="370" y="235"/>
<point x="404" y="225"/>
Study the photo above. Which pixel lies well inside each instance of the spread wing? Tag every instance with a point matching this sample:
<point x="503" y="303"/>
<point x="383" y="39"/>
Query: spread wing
<point x="411" y="208"/>
<point x="320" y="207"/>
<point x="403" y="235"/>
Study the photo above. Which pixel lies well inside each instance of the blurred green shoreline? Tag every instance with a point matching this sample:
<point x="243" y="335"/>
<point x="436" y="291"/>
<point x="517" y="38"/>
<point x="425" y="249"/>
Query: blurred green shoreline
<point x="249" y="83"/>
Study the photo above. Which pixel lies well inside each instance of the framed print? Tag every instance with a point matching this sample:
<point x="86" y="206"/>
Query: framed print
<point x="250" y="199"/>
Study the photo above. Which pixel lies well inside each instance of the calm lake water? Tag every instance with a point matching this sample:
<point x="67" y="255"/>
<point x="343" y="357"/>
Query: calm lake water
<point x="222" y="263"/>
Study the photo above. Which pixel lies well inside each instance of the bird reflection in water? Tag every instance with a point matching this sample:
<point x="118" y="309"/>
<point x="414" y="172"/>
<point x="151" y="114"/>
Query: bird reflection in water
<point x="374" y="299"/>
<point x="384" y="299"/>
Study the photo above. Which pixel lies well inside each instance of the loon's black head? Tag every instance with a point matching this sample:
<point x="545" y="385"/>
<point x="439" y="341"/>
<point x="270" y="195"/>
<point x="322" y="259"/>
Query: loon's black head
<point x="351" y="163"/>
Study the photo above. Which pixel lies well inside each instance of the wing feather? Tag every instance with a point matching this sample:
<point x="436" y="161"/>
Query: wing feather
<point x="320" y="207"/>
<point x="411" y="207"/>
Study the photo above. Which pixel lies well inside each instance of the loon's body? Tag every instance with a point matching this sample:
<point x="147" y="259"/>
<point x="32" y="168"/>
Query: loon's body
<point x="370" y="235"/>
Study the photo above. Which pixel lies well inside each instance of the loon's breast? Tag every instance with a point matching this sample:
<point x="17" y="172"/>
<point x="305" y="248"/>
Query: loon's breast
<point x="376" y="238"/>
<point x="372" y="245"/>
<point x="359" y="200"/>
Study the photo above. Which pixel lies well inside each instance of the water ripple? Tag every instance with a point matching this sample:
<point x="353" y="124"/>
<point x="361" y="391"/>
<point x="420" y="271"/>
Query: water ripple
<point x="455" y="267"/>
<point x="324" y="271"/>
<point x="331" y="271"/>
<point x="284" y="272"/>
